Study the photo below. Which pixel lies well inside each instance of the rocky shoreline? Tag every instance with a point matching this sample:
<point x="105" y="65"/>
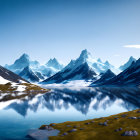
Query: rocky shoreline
<point x="121" y="126"/>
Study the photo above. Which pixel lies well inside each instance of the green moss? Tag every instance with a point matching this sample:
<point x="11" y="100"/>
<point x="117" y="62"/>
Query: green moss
<point x="94" y="131"/>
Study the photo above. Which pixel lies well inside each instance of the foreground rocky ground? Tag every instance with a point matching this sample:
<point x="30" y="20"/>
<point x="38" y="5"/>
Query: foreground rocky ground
<point x="123" y="126"/>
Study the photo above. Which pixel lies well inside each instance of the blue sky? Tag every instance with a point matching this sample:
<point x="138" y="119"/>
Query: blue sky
<point x="109" y="29"/>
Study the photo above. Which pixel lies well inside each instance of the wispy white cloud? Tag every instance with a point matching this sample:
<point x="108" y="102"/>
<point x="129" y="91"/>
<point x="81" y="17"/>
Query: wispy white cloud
<point x="132" y="46"/>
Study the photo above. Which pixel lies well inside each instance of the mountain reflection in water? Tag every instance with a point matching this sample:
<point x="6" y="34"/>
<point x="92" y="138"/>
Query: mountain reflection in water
<point x="82" y="99"/>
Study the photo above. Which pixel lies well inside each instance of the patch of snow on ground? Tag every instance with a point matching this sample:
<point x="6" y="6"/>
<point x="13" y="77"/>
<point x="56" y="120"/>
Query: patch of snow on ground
<point x="3" y="81"/>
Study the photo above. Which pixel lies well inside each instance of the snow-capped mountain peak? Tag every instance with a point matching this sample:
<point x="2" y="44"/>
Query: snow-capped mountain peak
<point x="128" y="63"/>
<point x="25" y="56"/>
<point x="85" y="54"/>
<point x="99" y="60"/>
<point x="54" y="64"/>
<point x="85" y="57"/>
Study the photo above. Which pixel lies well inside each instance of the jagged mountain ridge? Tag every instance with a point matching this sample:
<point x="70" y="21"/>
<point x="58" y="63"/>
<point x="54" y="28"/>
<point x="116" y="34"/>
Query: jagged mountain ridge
<point x="129" y="77"/>
<point x="10" y="76"/>
<point x="83" y="68"/>
<point x="104" y="77"/>
<point x="32" y="70"/>
<point x="128" y="63"/>
<point x="28" y="74"/>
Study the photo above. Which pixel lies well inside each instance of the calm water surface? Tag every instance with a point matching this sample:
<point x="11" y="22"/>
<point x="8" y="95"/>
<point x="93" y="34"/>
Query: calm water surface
<point x="17" y="117"/>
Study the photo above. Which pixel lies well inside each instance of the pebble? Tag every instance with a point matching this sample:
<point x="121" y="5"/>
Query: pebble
<point x="92" y="121"/>
<point x="87" y="123"/>
<point x="138" y="111"/>
<point x="105" y="124"/>
<point x="47" y="127"/>
<point x="64" y="134"/>
<point x="116" y="118"/>
<point x="132" y="118"/>
<point x="117" y="130"/>
<point x="130" y="133"/>
<point x="73" y="130"/>
<point x="68" y="125"/>
<point x="52" y="124"/>
<point x="124" y="115"/>
<point x="81" y="128"/>
<point x="75" y="126"/>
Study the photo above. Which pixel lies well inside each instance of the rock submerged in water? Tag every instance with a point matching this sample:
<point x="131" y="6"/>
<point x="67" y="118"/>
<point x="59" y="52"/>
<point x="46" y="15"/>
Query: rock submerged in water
<point x="38" y="134"/>
<point x="130" y="133"/>
<point x="46" y="127"/>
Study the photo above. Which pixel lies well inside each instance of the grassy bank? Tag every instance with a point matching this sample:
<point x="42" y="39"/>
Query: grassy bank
<point x="108" y="128"/>
<point x="9" y="92"/>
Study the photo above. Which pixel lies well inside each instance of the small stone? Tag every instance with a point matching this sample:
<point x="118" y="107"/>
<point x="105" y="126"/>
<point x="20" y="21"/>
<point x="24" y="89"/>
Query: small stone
<point x="135" y="133"/>
<point x="73" y="130"/>
<point x="138" y="111"/>
<point x="64" y="134"/>
<point x="120" y="129"/>
<point x="116" y="130"/>
<point x="48" y="128"/>
<point x="92" y="121"/>
<point x="133" y="118"/>
<point x="130" y="133"/>
<point x="87" y="123"/>
<point x="105" y="124"/>
<point x="100" y="123"/>
<point x="124" y="115"/>
<point x="75" y="126"/>
<point x="81" y="128"/>
<point x="52" y="124"/>
<point x="116" y="118"/>
<point x="68" y="125"/>
<point x="138" y="117"/>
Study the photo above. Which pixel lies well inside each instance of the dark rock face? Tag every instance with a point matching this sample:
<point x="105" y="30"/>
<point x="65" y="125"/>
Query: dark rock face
<point x="83" y="72"/>
<point x="8" y="75"/>
<point x="27" y="73"/>
<point x="128" y="64"/>
<point x="130" y="76"/>
<point x="104" y="77"/>
<point x="130" y="133"/>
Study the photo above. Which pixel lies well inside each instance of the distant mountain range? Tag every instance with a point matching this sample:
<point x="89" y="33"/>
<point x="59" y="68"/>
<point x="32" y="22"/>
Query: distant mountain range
<point x="129" y="77"/>
<point x="32" y="70"/>
<point x="85" y="68"/>
<point x="126" y="65"/>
